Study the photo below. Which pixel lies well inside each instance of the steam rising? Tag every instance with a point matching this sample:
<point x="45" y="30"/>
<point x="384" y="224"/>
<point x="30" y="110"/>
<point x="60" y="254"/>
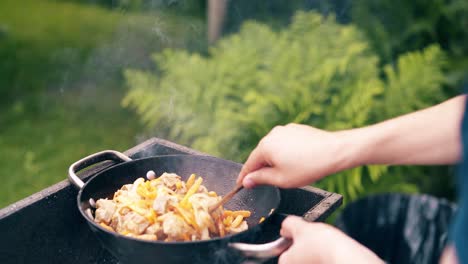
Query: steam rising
<point x="99" y="75"/>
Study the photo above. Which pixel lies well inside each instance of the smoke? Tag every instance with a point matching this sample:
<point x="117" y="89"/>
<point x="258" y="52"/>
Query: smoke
<point x="136" y="36"/>
<point x="102" y="70"/>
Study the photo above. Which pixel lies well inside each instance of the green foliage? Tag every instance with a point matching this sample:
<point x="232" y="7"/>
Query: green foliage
<point x="395" y="27"/>
<point x="398" y="26"/>
<point x="409" y="86"/>
<point x="314" y="72"/>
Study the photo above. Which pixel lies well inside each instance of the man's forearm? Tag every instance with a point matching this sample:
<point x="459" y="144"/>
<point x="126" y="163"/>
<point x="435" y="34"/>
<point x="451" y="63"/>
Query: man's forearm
<point x="430" y="136"/>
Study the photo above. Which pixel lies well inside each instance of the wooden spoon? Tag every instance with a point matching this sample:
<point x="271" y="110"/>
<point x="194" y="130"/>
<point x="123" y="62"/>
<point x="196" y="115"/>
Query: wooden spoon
<point x="226" y="198"/>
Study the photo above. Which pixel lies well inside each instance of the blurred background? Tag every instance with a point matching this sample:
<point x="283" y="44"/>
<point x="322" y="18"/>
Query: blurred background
<point x="79" y="76"/>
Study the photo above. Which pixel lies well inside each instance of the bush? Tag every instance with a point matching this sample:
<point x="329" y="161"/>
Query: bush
<point x="314" y="72"/>
<point x="395" y="27"/>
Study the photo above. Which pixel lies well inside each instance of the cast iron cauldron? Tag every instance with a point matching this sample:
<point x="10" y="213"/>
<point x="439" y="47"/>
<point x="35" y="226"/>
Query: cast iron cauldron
<point x="219" y="175"/>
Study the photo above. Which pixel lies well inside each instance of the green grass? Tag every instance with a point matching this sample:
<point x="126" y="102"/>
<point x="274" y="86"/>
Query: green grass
<point x="38" y="142"/>
<point x="42" y="39"/>
<point x="61" y="84"/>
<point x="36" y="32"/>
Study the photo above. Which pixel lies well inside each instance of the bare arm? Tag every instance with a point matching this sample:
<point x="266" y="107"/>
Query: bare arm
<point x="295" y="155"/>
<point x="426" y="137"/>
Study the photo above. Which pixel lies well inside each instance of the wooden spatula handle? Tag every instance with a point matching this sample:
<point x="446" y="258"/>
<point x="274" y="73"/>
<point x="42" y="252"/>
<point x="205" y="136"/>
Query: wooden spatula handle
<point x="226" y="197"/>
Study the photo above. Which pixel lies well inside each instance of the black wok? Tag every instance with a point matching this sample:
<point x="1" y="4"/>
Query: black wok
<point x="218" y="175"/>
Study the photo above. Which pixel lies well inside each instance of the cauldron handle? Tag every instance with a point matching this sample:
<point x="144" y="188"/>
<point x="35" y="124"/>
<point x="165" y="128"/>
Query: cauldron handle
<point x="263" y="251"/>
<point x="92" y="160"/>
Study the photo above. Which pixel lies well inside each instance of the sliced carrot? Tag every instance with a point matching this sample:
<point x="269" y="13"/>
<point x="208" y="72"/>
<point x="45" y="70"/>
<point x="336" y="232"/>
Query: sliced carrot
<point x="193" y="189"/>
<point x="141" y="190"/>
<point x="138" y="210"/>
<point x="107" y="227"/>
<point x="187" y="217"/>
<point x="237" y="221"/>
<point x="228" y="220"/>
<point x="227" y="213"/>
<point x="190" y="181"/>
<point x="244" y="213"/>
<point x="151" y="216"/>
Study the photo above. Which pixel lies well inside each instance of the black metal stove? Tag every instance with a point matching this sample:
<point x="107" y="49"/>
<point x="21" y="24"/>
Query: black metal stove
<point x="46" y="227"/>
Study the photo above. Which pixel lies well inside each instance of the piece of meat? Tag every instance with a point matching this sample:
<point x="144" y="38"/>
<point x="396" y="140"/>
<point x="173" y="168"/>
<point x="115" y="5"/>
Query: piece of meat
<point x="170" y="180"/>
<point x="131" y="222"/>
<point x="200" y="204"/>
<point x="147" y="237"/>
<point x="126" y="187"/>
<point x="202" y="189"/>
<point x="105" y="210"/>
<point x="155" y="229"/>
<point x="182" y="189"/>
<point x="162" y="201"/>
<point x="116" y="221"/>
<point x="123" y="196"/>
<point x="205" y="234"/>
<point x="175" y="227"/>
<point x="202" y="201"/>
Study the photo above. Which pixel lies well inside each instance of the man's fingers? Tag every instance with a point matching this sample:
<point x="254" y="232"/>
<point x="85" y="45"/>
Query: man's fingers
<point x="258" y="157"/>
<point x="291" y="226"/>
<point x="265" y="175"/>
<point x="255" y="161"/>
<point x="286" y="257"/>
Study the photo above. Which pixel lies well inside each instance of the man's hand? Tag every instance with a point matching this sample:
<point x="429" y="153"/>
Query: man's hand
<point x="321" y="243"/>
<point x="293" y="156"/>
<point x="296" y="155"/>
